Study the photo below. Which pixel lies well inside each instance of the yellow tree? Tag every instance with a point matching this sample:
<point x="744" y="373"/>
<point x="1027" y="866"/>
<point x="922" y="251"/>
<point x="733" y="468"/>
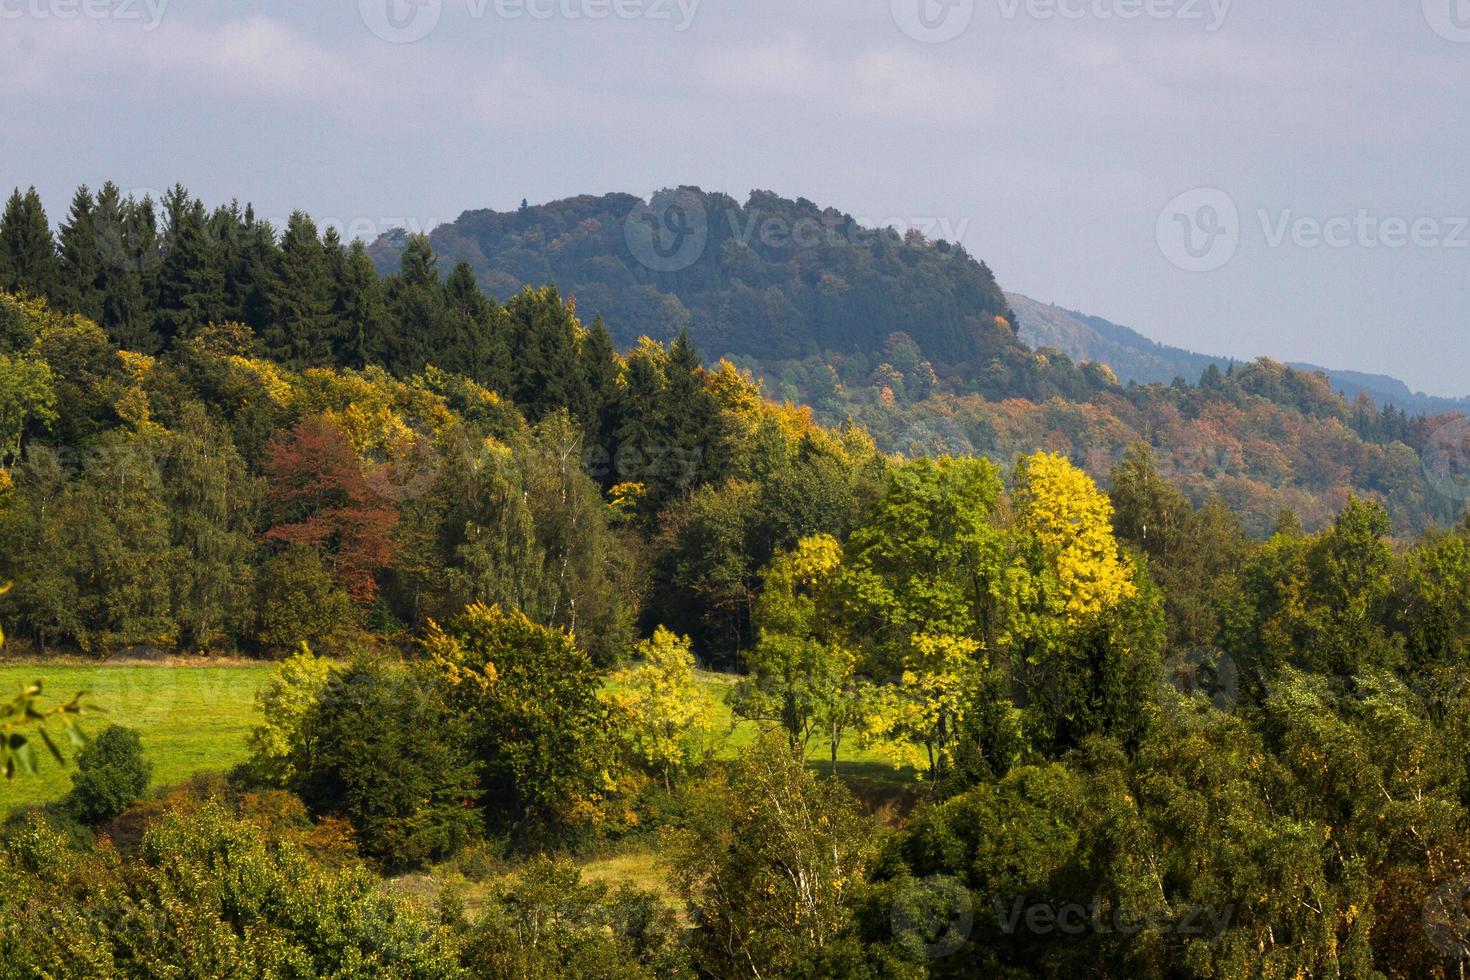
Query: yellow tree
<point x="668" y="714"/>
<point x="1091" y="646"/>
<point x="1071" y="520"/>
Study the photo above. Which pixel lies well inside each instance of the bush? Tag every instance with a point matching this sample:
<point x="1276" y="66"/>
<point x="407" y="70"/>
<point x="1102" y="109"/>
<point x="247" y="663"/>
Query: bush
<point x="111" y="776"/>
<point x="386" y="756"/>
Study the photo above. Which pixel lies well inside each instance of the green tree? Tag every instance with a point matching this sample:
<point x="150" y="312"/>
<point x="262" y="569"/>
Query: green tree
<point x="297" y="601"/>
<point x="190" y="286"/>
<point x="386" y="755"/>
<point x="278" y="745"/>
<point x="27" y="399"/>
<point x="80" y="270"/>
<point x="769" y="864"/>
<point x="212" y="505"/>
<point x="111" y="775"/>
<point x="301" y="331"/>
<point x="28" y="260"/>
<point x="539" y="727"/>
<point x="803" y="665"/>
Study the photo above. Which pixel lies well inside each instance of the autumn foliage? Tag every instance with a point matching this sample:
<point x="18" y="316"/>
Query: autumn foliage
<point x="321" y="495"/>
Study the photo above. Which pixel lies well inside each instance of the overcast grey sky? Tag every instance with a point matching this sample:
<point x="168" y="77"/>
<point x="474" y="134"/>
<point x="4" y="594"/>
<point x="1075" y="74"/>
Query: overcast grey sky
<point x="1246" y="177"/>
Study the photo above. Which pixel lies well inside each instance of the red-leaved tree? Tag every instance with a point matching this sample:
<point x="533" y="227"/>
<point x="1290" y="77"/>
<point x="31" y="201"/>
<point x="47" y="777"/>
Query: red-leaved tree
<point x="321" y="495"/>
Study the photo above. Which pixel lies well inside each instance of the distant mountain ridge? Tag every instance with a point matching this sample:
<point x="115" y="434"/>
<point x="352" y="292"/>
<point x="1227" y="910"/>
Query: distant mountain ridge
<point x="1134" y="357"/>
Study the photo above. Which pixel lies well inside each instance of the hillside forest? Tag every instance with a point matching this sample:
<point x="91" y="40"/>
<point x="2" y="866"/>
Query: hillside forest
<point x="1162" y="680"/>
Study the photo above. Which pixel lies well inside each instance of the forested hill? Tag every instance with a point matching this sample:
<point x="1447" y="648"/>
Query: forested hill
<point x="1134" y="357"/>
<point x="773" y="278"/>
<point x="931" y="375"/>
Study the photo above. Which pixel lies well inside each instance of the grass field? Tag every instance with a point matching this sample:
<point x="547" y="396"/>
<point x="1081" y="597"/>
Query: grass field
<point x="194" y="719"/>
<point x="191" y="719"/>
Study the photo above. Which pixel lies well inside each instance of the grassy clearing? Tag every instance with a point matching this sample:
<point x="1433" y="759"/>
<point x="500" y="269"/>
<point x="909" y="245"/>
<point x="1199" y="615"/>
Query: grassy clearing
<point x="195" y="718"/>
<point x="191" y="719"/>
<point x="854" y="763"/>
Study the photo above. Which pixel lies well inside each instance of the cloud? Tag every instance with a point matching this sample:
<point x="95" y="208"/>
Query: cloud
<point x="253" y="57"/>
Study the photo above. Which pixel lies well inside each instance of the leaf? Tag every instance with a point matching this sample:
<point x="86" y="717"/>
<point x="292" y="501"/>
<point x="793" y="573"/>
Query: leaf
<point x="23" y="754"/>
<point x="75" y="735"/>
<point x="51" y="747"/>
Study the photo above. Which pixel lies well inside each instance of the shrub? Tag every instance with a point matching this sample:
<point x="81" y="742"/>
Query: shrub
<point x="386" y="756"/>
<point x="277" y="744"/>
<point x="111" y="776"/>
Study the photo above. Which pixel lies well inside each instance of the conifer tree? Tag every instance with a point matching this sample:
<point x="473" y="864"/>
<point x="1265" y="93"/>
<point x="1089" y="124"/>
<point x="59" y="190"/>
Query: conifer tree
<point x="27" y="251"/>
<point x="190" y="289"/>
<point x="360" y="306"/>
<point x="300" y="329"/>
<point x="80" y="261"/>
<point x="127" y="247"/>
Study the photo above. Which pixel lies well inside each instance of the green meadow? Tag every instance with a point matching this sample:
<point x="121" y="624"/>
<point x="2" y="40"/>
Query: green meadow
<point x="191" y="719"/>
<point x="195" y="719"/>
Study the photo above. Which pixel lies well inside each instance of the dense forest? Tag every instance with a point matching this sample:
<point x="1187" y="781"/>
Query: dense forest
<point x="913" y="339"/>
<point x="1151" y="720"/>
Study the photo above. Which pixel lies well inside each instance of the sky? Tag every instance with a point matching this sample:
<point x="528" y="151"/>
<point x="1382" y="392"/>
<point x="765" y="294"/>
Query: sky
<point x="1238" y="177"/>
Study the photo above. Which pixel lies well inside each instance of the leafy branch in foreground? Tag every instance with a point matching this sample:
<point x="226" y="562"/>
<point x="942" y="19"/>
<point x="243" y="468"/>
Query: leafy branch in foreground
<point x="22" y="712"/>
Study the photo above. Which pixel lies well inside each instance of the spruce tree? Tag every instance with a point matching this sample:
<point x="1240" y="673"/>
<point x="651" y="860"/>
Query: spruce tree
<point x="300" y="331"/>
<point x="126" y="243"/>
<point x="27" y="251"/>
<point x="360" y="307"/>
<point x="80" y="261"/>
<point x="190" y="291"/>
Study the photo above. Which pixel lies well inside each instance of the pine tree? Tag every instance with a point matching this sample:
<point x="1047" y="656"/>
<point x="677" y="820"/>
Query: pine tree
<point x="190" y="291"/>
<point x="123" y="232"/>
<point x="546" y="346"/>
<point x="300" y="330"/>
<point x="80" y="261"/>
<point x="27" y="251"/>
<point x="418" y="307"/>
<point x="360" y="307"/>
<point x="483" y="342"/>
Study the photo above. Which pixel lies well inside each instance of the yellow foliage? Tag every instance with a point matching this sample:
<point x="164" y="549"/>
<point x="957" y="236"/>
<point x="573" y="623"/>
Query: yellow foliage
<point x="1060" y="506"/>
